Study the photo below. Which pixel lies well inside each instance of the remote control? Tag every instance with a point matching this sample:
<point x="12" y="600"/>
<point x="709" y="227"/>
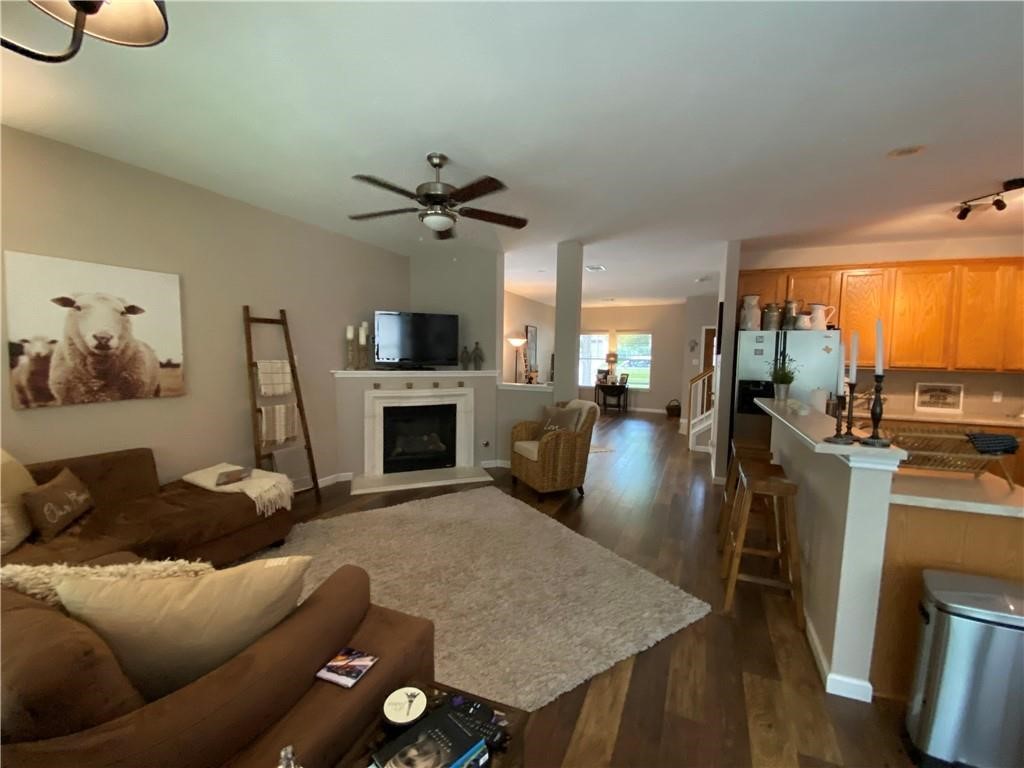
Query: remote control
<point x="493" y="735"/>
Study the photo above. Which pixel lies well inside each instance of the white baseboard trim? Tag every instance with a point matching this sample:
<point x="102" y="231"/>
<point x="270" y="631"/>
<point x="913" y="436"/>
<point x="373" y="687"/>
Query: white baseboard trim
<point x="491" y="463"/>
<point x="646" y="410"/>
<point x="705" y="449"/>
<point x="684" y="427"/>
<point x="341" y="477"/>
<point x="849" y="687"/>
<point x="816" y="650"/>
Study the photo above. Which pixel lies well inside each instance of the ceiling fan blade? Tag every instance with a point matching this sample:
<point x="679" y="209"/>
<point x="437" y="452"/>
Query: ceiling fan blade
<point x="485" y="185"/>
<point x="494" y="218"/>
<point x="446" y="234"/>
<point x="378" y="214"/>
<point x="385" y="185"/>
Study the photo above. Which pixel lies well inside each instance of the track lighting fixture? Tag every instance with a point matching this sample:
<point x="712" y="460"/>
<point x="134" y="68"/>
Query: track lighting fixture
<point x="996" y="200"/>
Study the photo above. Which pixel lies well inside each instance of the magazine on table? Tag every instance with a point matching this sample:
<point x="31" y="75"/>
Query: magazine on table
<point x="439" y="741"/>
<point x="347" y="667"/>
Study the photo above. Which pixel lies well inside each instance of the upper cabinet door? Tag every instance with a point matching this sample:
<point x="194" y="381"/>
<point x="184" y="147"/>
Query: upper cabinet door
<point x="980" y="313"/>
<point x="815" y="286"/>
<point x="1013" y="333"/>
<point x="769" y="286"/>
<point x="864" y="296"/>
<point x="923" y="302"/>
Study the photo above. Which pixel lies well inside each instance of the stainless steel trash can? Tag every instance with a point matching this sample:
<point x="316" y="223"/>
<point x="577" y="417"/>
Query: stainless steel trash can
<point x="967" y="703"/>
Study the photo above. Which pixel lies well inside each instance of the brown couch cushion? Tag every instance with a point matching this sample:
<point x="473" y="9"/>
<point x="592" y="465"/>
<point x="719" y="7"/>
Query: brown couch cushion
<point x="59" y="677"/>
<point x="111" y="477"/>
<point x="57" y="504"/>
<point x="205" y="723"/>
<point x="69" y="547"/>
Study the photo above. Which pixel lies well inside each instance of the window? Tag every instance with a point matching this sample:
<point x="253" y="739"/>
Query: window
<point x="635" y="358"/>
<point x="593" y="348"/>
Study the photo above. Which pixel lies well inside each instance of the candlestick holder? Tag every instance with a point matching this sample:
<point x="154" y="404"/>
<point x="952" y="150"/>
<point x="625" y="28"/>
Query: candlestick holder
<point x="350" y="355"/>
<point x="876" y="440"/>
<point x="364" y="357"/>
<point x="849" y="413"/>
<point x="839" y="438"/>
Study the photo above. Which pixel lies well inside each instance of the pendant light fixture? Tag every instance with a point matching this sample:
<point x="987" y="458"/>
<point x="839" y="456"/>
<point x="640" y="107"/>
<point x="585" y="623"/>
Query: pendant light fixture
<point x="136" y="23"/>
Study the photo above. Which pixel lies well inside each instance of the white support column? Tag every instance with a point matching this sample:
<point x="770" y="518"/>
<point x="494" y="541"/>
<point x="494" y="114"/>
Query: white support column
<point x="568" y="301"/>
<point x="728" y="282"/>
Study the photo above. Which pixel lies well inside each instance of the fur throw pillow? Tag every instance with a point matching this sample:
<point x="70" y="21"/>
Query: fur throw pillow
<point x="40" y="581"/>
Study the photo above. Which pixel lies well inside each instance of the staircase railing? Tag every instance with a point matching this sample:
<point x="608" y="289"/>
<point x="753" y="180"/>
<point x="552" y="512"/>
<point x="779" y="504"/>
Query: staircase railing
<point x="700" y="404"/>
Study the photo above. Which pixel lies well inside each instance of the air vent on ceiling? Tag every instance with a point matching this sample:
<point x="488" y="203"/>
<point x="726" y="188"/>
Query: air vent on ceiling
<point x="596" y="268"/>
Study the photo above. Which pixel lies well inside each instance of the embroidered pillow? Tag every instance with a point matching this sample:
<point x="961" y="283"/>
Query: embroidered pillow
<point x="559" y="418"/>
<point x="57" y="504"/>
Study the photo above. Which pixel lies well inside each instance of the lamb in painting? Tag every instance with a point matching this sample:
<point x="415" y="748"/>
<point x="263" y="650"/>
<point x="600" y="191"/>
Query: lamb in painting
<point x="98" y="359"/>
<point x="32" y="373"/>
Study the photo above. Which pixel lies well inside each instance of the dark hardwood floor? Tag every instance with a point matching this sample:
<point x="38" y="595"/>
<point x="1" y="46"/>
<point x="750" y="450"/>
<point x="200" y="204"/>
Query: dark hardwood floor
<point x="730" y="690"/>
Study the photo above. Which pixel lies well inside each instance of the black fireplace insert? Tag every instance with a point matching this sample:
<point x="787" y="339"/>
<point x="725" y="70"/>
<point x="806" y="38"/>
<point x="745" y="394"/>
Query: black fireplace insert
<point x="419" y="437"/>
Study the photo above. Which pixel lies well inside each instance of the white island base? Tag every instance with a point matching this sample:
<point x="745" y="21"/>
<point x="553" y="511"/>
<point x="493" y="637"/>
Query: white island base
<point x="842" y="513"/>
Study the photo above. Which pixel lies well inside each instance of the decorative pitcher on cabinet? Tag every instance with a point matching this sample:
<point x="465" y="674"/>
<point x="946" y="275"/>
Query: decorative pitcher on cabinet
<point x="750" y="313"/>
<point x="821" y="315"/>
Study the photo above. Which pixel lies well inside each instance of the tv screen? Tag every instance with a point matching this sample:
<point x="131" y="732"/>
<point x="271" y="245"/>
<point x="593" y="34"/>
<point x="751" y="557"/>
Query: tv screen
<point x="415" y="338"/>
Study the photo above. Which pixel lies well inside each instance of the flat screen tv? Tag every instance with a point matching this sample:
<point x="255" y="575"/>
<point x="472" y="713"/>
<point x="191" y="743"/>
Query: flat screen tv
<point x="415" y="339"/>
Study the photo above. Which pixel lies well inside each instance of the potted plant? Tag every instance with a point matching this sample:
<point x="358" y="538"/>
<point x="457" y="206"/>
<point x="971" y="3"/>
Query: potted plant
<point x="782" y="372"/>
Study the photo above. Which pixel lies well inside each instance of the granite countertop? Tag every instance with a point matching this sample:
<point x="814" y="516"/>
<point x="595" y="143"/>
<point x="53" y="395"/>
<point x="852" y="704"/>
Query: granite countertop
<point x="941" y="418"/>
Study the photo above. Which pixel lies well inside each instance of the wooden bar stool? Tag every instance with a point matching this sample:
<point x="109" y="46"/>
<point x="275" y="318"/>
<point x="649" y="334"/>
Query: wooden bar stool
<point x="742" y="448"/>
<point x="767" y="481"/>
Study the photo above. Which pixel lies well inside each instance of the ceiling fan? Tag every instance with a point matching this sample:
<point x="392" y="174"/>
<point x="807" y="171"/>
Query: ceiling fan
<point x="442" y="203"/>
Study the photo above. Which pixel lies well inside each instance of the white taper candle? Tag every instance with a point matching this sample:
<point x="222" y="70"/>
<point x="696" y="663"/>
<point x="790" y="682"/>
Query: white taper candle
<point x="350" y="332"/>
<point x="841" y="378"/>
<point x="854" y="339"/>
<point x="878" y="347"/>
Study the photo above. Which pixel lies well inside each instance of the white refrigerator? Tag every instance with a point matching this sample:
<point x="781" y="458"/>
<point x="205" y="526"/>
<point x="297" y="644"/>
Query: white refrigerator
<point x="815" y="355"/>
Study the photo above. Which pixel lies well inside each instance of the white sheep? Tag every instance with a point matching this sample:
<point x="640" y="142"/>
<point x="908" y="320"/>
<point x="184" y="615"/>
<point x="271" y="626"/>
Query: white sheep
<point x="32" y="373"/>
<point x="98" y="359"/>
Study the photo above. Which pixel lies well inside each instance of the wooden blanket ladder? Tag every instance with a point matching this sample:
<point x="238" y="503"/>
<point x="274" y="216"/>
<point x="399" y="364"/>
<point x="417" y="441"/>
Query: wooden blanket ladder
<point x="260" y="452"/>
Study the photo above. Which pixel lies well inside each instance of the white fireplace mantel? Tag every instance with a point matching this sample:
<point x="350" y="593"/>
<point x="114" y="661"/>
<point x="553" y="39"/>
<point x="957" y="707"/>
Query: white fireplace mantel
<point x="376" y="400"/>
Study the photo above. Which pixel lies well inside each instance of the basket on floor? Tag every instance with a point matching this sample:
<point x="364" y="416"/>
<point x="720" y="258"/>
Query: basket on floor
<point x="674" y="409"/>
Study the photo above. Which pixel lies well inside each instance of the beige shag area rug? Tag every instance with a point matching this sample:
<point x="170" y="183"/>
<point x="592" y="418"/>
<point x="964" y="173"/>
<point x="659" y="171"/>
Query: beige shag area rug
<point x="524" y="608"/>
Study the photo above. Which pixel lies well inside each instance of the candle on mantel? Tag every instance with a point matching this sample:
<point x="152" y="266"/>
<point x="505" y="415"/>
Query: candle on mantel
<point x="878" y="347"/>
<point x="841" y="379"/>
<point x="362" y="335"/>
<point x="350" y="332"/>
<point x="854" y="339"/>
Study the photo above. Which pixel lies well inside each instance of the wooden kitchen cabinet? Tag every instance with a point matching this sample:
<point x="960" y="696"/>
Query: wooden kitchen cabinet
<point x="1012" y="325"/>
<point x="923" y="300"/>
<point x="770" y="286"/>
<point x="864" y="296"/>
<point x="818" y="286"/>
<point x="981" y="308"/>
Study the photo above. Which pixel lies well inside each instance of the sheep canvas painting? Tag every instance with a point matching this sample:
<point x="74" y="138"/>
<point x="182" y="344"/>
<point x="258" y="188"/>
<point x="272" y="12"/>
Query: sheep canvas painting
<point x="79" y="332"/>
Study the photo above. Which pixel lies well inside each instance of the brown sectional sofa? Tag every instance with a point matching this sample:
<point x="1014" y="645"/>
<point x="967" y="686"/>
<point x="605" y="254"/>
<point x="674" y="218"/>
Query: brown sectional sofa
<point x="240" y="714"/>
<point x="134" y="513"/>
<point x="68" y="703"/>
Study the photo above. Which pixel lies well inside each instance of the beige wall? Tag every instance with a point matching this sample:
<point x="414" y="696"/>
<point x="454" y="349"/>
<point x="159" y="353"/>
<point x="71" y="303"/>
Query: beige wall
<point x="62" y="201"/>
<point x="520" y="312"/>
<point x="666" y="323"/>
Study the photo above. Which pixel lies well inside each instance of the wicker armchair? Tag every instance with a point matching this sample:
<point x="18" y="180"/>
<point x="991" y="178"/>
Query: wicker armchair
<point x="556" y="461"/>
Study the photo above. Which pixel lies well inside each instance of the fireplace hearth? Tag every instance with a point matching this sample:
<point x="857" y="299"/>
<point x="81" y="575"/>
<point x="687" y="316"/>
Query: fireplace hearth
<point x="419" y="437"/>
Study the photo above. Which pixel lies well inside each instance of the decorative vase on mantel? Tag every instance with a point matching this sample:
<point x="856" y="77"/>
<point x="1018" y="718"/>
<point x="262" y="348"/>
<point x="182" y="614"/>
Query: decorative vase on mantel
<point x="464" y="358"/>
<point x="477" y="356"/>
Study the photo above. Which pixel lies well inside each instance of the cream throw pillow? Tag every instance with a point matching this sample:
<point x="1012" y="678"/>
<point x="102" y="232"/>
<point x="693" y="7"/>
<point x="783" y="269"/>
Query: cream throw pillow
<point x="15" y="480"/>
<point x="168" y="632"/>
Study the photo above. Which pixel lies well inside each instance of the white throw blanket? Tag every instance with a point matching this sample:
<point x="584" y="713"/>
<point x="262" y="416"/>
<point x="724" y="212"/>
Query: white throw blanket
<point x="269" y="490"/>
<point x="278" y="423"/>
<point x="275" y="377"/>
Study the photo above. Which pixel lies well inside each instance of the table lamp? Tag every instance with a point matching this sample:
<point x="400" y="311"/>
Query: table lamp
<point x="611" y="359"/>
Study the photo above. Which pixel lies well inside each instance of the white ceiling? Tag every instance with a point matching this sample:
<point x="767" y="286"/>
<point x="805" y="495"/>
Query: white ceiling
<point x="646" y="131"/>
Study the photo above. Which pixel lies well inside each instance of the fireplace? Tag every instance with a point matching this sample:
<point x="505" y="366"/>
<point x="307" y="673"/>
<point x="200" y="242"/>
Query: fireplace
<point x="419" y="437"/>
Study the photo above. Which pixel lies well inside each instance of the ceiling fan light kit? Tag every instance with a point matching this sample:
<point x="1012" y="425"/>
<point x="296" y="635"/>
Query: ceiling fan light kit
<point x="138" y="24"/>
<point x="442" y="202"/>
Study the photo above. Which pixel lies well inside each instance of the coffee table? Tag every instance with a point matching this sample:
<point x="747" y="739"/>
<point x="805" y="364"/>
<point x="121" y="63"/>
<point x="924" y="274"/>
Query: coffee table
<point x="360" y="755"/>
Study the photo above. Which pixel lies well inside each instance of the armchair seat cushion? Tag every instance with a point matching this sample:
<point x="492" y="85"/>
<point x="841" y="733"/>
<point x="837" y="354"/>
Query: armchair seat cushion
<point x="529" y="449"/>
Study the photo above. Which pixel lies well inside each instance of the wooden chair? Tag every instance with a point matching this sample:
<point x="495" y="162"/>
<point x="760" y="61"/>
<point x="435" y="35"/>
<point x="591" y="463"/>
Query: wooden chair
<point x="555" y="461"/>
<point x="742" y="448"/>
<point x="768" y="481"/>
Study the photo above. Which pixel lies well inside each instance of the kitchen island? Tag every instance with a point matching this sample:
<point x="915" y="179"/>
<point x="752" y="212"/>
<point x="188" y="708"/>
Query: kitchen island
<point x="867" y="529"/>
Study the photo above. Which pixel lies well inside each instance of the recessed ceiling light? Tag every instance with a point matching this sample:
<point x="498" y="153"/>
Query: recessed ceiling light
<point x="596" y="268"/>
<point x="608" y="299"/>
<point x="914" y="149"/>
<point x="702" y="279"/>
<point x="542" y="270"/>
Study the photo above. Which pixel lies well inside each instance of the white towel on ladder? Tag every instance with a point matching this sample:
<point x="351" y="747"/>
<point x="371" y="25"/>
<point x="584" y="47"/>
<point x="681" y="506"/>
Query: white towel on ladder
<point x="275" y="377"/>
<point x="278" y="423"/>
